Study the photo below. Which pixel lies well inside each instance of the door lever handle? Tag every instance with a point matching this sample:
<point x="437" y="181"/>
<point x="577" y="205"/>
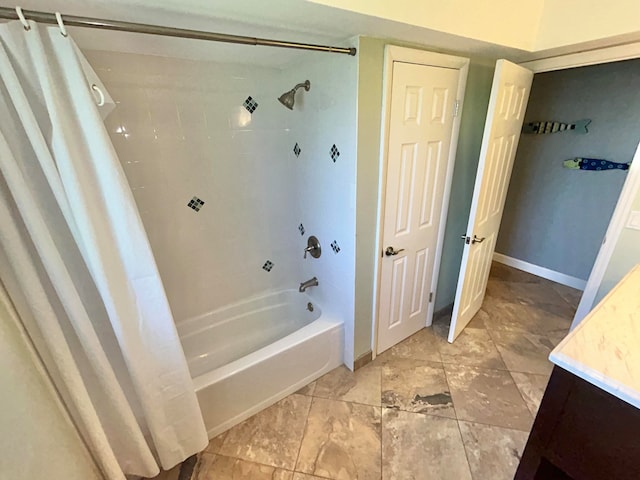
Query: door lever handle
<point x="390" y="251"/>
<point x="477" y="240"/>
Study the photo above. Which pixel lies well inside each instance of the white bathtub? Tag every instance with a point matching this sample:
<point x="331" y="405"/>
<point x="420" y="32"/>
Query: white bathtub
<point x="247" y="356"/>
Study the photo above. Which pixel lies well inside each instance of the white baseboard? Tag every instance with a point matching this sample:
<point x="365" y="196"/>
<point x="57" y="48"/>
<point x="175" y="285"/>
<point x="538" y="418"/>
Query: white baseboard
<point x="543" y="272"/>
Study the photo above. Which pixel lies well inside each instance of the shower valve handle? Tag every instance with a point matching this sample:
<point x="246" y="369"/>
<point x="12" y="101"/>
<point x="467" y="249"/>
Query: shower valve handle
<point x="313" y="247"/>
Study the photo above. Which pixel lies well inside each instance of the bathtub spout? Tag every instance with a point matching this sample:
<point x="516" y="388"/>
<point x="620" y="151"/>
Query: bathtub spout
<point x="309" y="283"/>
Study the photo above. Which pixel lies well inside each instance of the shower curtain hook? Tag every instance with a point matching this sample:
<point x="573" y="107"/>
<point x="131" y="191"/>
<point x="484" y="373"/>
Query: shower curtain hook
<point x="101" y="101"/>
<point x="63" y="29"/>
<point x="23" y="20"/>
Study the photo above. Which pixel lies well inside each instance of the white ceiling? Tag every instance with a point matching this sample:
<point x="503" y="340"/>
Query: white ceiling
<point x="294" y="20"/>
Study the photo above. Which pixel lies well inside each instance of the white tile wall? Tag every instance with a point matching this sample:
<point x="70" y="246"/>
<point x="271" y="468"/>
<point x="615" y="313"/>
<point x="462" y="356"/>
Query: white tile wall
<point x="180" y="130"/>
<point x="322" y="117"/>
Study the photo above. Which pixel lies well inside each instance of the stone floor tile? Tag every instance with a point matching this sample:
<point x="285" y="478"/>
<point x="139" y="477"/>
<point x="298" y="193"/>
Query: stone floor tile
<point x="502" y="315"/>
<point x="416" y="386"/>
<point x="361" y="386"/>
<point x="548" y="323"/>
<point x="570" y="295"/>
<point x="417" y="446"/>
<point x="553" y="314"/>
<point x="215" y="444"/>
<point x="542" y="295"/>
<point x="307" y="389"/>
<point x="532" y="388"/>
<point x="473" y="347"/>
<point x="500" y="271"/>
<point x="442" y="322"/>
<point x="341" y="441"/>
<point x="487" y="396"/>
<point x="478" y="320"/>
<point x="493" y="452"/>
<point x="305" y="476"/>
<point x="557" y="338"/>
<point x="524" y="352"/>
<point x="271" y="437"/>
<point x="218" y="467"/>
<point x="422" y="345"/>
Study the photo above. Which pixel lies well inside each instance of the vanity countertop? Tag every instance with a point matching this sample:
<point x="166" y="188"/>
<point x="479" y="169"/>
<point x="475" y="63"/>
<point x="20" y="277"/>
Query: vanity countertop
<point x="604" y="349"/>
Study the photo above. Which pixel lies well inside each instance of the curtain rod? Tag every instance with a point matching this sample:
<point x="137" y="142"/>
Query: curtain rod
<point x="75" y="21"/>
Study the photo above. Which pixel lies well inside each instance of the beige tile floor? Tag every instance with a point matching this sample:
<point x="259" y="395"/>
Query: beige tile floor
<point x="425" y="409"/>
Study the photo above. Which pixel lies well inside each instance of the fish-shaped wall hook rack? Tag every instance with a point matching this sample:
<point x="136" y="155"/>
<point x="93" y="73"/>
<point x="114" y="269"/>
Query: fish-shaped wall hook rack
<point x="580" y="163"/>
<point x="541" y="128"/>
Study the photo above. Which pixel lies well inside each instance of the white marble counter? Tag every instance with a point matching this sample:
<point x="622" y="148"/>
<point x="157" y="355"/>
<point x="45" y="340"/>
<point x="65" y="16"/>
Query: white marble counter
<point x="604" y="349"/>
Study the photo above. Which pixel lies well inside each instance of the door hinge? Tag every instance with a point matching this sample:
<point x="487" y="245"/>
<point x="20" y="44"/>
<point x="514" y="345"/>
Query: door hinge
<point x="430" y="297"/>
<point x="456" y="108"/>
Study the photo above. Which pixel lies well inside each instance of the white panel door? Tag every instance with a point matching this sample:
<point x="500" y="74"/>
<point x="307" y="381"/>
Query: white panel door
<point x="420" y="129"/>
<point x="507" y="105"/>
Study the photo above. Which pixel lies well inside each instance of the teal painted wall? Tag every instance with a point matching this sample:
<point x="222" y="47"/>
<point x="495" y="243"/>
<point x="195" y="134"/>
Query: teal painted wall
<point x="554" y="217"/>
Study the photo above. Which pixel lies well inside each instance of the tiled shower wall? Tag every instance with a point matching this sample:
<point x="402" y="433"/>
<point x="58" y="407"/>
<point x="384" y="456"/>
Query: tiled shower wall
<point x="214" y="183"/>
<point x="324" y="127"/>
<point x="222" y="189"/>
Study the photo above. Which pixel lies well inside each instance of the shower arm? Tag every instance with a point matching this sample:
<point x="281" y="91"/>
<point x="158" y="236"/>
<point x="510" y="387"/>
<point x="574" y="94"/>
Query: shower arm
<point x="306" y="86"/>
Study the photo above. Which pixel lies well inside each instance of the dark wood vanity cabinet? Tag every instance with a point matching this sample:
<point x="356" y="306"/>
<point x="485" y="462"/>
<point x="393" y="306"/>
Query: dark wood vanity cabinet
<point x="581" y="433"/>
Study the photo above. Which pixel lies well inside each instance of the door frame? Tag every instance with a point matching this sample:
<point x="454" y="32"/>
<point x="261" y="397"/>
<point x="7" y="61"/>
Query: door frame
<point x="631" y="185"/>
<point x="393" y="53"/>
<point x="597" y="56"/>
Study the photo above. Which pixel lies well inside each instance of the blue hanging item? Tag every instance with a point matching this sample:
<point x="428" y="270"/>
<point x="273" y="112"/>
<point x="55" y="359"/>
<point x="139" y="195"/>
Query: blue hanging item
<point x="541" y="128"/>
<point x="579" y="163"/>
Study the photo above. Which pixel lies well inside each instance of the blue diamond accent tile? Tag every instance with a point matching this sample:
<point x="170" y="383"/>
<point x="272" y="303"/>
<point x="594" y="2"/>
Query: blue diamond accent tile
<point x="334" y="153"/>
<point x="195" y="203"/>
<point x="268" y="265"/>
<point x="335" y="247"/>
<point x="301" y="229"/>
<point x="250" y="104"/>
<point x="297" y="150"/>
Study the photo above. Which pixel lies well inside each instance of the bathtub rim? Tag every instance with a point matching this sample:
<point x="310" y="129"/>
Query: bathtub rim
<point x="189" y="326"/>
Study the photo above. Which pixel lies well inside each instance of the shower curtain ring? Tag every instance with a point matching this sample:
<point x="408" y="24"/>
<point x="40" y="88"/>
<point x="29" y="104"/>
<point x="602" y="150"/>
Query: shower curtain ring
<point x="101" y="101"/>
<point x="23" y="20"/>
<point x="63" y="29"/>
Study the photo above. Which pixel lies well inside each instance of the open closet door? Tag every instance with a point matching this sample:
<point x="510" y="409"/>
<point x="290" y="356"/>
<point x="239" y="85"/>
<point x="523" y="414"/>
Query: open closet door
<point x="507" y="105"/>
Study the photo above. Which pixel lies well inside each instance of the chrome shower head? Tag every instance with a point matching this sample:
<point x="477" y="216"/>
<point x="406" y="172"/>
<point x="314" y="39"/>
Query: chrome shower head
<point x="289" y="98"/>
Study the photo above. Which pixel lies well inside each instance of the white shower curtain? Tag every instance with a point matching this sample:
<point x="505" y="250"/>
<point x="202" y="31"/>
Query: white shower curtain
<point x="78" y="266"/>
